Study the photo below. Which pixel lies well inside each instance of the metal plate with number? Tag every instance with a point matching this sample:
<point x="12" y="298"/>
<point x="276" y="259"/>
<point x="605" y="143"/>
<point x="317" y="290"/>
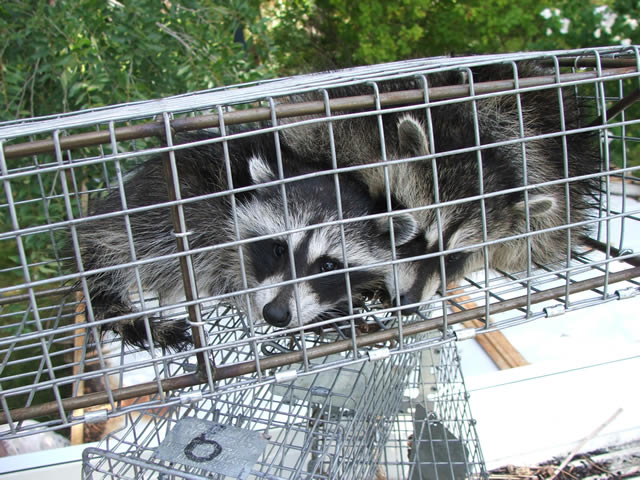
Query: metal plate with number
<point x="212" y="446"/>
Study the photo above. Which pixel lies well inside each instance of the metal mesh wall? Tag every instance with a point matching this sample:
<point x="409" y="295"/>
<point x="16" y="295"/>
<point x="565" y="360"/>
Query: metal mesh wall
<point x="359" y="421"/>
<point x="59" y="367"/>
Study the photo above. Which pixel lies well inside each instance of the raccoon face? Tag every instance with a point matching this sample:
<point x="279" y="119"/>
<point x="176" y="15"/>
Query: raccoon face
<point x="419" y="280"/>
<point x="299" y="271"/>
<point x="461" y="226"/>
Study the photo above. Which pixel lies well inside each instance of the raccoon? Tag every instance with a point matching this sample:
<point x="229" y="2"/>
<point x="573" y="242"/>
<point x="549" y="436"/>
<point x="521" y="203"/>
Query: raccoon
<point x="447" y="248"/>
<point x="274" y="224"/>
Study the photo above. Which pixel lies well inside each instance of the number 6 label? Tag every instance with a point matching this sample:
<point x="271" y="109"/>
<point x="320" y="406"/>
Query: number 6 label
<point x="213" y="447"/>
<point x="202" y="444"/>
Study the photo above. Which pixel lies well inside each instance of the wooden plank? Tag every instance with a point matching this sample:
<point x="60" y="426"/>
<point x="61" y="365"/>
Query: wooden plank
<point x="498" y="347"/>
<point x="77" y="431"/>
<point x="80" y="319"/>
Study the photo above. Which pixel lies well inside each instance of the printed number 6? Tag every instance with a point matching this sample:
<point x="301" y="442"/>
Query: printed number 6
<point x="216" y="449"/>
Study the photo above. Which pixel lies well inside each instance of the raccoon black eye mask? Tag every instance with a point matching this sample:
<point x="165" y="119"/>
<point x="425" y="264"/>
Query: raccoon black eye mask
<point x="316" y="255"/>
<point x="268" y="264"/>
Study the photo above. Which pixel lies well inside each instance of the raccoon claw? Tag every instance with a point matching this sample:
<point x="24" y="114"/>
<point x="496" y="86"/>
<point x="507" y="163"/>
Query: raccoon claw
<point x="173" y="336"/>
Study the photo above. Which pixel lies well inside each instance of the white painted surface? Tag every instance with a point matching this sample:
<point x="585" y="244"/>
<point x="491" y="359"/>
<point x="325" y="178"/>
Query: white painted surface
<point x="56" y="464"/>
<point x="531" y="414"/>
<point x="585" y="365"/>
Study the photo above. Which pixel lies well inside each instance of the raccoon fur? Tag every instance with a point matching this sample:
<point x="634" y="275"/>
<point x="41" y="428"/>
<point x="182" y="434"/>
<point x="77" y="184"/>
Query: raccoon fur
<point x="259" y="215"/>
<point x="448" y="246"/>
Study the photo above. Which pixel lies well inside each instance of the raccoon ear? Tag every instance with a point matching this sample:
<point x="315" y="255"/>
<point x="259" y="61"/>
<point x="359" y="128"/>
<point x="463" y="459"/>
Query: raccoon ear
<point x="405" y="228"/>
<point x="260" y="171"/>
<point x="412" y="139"/>
<point x="538" y="205"/>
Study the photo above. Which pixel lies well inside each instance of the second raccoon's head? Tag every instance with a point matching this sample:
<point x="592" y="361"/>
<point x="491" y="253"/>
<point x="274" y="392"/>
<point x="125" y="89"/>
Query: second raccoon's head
<point x="427" y="268"/>
<point x="447" y="248"/>
<point x="301" y="249"/>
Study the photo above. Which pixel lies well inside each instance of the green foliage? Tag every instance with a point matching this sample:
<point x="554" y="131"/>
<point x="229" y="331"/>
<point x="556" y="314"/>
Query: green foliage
<point x="569" y="24"/>
<point x="338" y="33"/>
<point x="319" y="34"/>
<point x="66" y="55"/>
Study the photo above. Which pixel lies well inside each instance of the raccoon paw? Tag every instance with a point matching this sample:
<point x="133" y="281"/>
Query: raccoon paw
<point x="172" y="335"/>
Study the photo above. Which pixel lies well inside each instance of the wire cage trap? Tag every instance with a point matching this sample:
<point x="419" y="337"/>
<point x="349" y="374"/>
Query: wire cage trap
<point x="406" y="416"/>
<point x="188" y="220"/>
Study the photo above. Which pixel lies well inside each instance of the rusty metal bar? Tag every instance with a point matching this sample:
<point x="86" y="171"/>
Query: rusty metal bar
<point x="101" y="398"/>
<point x="625" y="102"/>
<point x="286" y="110"/>
<point x="621" y="105"/>
<point x="248" y="367"/>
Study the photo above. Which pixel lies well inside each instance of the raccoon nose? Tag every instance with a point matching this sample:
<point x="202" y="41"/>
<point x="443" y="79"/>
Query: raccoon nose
<point x="276" y="315"/>
<point x="405" y="300"/>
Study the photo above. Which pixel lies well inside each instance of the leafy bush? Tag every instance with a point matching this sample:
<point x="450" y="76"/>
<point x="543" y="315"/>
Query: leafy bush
<point x="66" y="55"/>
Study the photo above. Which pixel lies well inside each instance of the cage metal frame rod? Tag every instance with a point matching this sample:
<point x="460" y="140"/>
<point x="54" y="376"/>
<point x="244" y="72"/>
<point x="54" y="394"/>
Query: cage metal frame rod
<point x="182" y="234"/>
<point x="286" y="110"/>
<point x="225" y="372"/>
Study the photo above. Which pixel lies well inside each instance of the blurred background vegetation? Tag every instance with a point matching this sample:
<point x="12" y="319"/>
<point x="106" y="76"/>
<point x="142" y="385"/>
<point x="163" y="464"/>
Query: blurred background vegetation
<point x="65" y="55"/>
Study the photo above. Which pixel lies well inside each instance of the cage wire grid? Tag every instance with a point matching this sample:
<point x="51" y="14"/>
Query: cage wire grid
<point x="325" y="427"/>
<point x="57" y="368"/>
